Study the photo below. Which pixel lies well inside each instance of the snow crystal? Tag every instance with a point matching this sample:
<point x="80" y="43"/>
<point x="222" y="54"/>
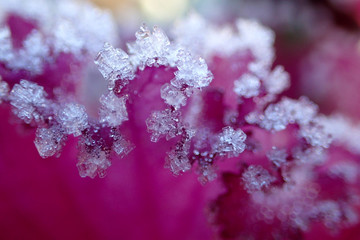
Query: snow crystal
<point x="191" y="72"/>
<point x="247" y="86"/>
<point x="92" y="163"/>
<point x="277" y="81"/>
<point x="178" y="161"/>
<point x="49" y="141"/>
<point x="173" y="96"/>
<point x="275" y="118"/>
<point x="277" y="156"/>
<point x="73" y="118"/>
<point x="163" y="123"/>
<point x="114" y="64"/>
<point x="6" y="49"/>
<point x="113" y="109"/>
<point x="28" y="99"/>
<point x="151" y="48"/>
<point x="278" y="116"/>
<point x="122" y="146"/>
<point x="4" y="89"/>
<point x="256" y="178"/>
<point x="315" y="134"/>
<point x="230" y="142"/>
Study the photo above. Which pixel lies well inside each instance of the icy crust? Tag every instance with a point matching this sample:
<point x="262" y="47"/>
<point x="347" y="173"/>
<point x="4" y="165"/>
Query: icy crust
<point x="61" y="27"/>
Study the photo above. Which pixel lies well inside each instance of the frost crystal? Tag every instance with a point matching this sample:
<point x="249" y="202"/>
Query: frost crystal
<point x="315" y="134"/>
<point x="277" y="156"/>
<point x="151" y="49"/>
<point x="114" y="64"/>
<point x="173" y="96"/>
<point x="275" y="118"/>
<point x="178" y="161"/>
<point x="28" y="99"/>
<point x="231" y="142"/>
<point x="256" y="178"/>
<point x="49" y="141"/>
<point x="4" y="90"/>
<point x="277" y="81"/>
<point x="192" y="71"/>
<point x="247" y="86"/>
<point x="163" y="123"/>
<point x="73" y="118"/>
<point x="113" y="109"/>
<point x="121" y="146"/>
<point x="93" y="162"/>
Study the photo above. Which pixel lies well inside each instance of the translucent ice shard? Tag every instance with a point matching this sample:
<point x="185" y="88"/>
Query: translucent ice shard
<point x="28" y="100"/>
<point x="231" y="142"/>
<point x="113" y="109"/>
<point x="178" y="161"/>
<point x="93" y="162"/>
<point x="73" y="118"/>
<point x="277" y="156"/>
<point x="49" y="141"/>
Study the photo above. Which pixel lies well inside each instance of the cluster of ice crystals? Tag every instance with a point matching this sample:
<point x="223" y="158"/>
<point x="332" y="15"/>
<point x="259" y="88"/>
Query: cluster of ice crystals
<point x="28" y="100"/>
<point x="113" y="109"/>
<point x="277" y="81"/>
<point x="277" y="156"/>
<point x="173" y="96"/>
<point x="278" y="116"/>
<point x="151" y="49"/>
<point x="30" y="57"/>
<point x="49" y="141"/>
<point x="230" y="142"/>
<point x="192" y="71"/>
<point x="178" y="161"/>
<point x="256" y="178"/>
<point x="76" y="24"/>
<point x="122" y="146"/>
<point x="247" y="86"/>
<point x="259" y="39"/>
<point x="73" y="118"/>
<point x="114" y="64"/>
<point x="164" y="122"/>
<point x="315" y="134"/>
<point x="93" y="162"/>
<point x="4" y="90"/>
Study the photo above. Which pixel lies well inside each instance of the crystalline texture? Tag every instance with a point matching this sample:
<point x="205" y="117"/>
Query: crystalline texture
<point x="4" y="90"/>
<point x="256" y="178"/>
<point x="178" y="161"/>
<point x="231" y="142"/>
<point x="114" y="64"/>
<point x="49" y="141"/>
<point x="277" y="81"/>
<point x="121" y="146"/>
<point x="113" y="109"/>
<point x="28" y="99"/>
<point x="247" y="86"/>
<point x="191" y="71"/>
<point x="163" y="123"/>
<point x="93" y="162"/>
<point x="73" y="118"/>
<point x="315" y="134"/>
<point x="277" y="156"/>
<point x="173" y="96"/>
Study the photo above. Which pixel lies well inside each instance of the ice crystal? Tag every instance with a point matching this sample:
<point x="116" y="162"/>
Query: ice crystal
<point x="173" y="96"/>
<point x="28" y="100"/>
<point x="114" y="64"/>
<point x="178" y="161"/>
<point x="277" y="81"/>
<point x="277" y="156"/>
<point x="122" y="146"/>
<point x="256" y="178"/>
<point x="49" y="141"/>
<point x="93" y="162"/>
<point x="113" y="109"/>
<point x="247" y="86"/>
<point x="163" y="123"/>
<point x="4" y="90"/>
<point x="73" y="118"/>
<point x="315" y="134"/>
<point x="231" y="142"/>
